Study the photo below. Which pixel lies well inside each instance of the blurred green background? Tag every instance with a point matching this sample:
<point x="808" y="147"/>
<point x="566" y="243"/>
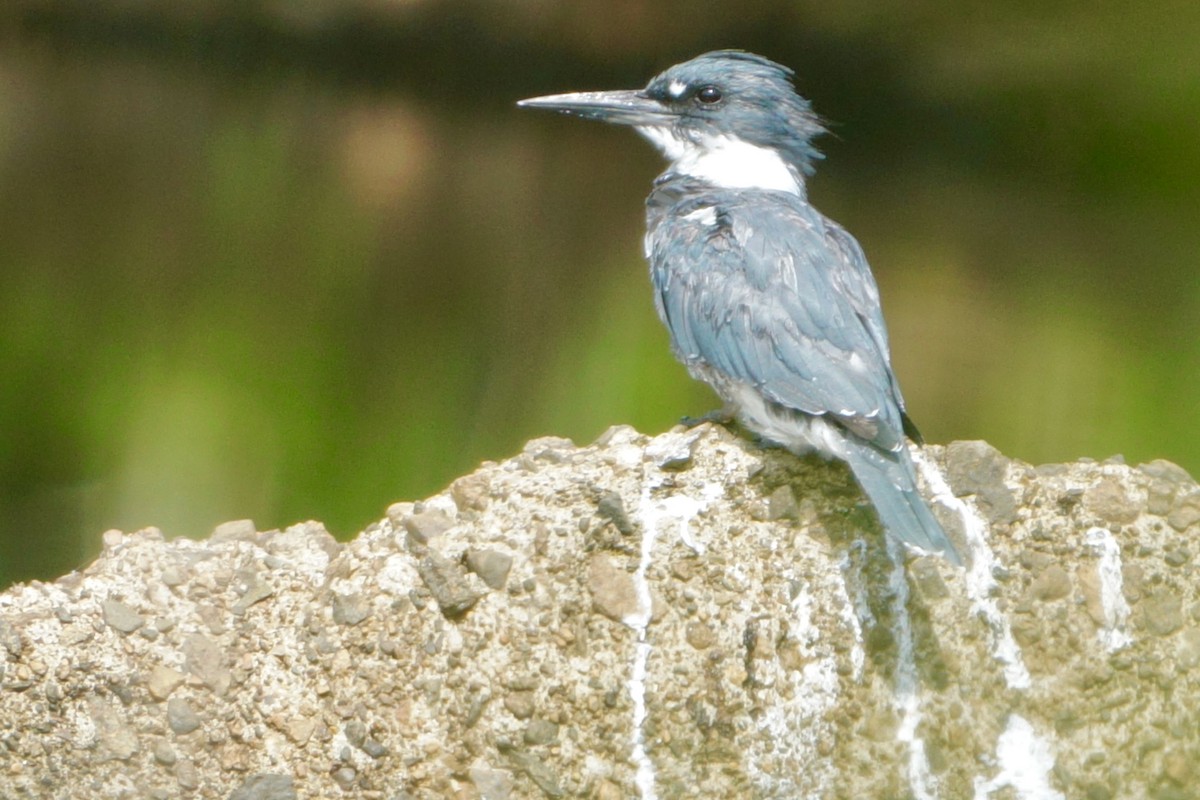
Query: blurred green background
<point x="300" y="260"/>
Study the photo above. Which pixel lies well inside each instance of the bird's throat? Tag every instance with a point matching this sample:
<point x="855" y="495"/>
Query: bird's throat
<point x="726" y="162"/>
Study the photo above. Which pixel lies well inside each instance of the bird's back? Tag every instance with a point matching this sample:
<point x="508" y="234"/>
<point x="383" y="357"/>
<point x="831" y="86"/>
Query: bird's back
<point x="761" y="289"/>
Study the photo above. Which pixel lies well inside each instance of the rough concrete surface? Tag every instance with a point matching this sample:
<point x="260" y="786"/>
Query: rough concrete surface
<point x="688" y="615"/>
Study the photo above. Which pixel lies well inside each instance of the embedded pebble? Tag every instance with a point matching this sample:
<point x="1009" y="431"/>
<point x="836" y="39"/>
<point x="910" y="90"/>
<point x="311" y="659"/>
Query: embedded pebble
<point x="187" y="775"/>
<point x="356" y="732"/>
<point x="121" y="617"/>
<point x="255" y="590"/>
<point x="181" y="718"/>
<point x="1185" y="511"/>
<point x="350" y="609"/>
<point x="520" y="704"/>
<point x="539" y="731"/>
<point x="1109" y="501"/>
<point x="471" y="492"/>
<point x="490" y="565"/>
<point x="447" y="582"/>
<point x="172" y="575"/>
<point x="612" y="507"/>
<point x="374" y="748"/>
<point x="976" y="468"/>
<point x="114" y="740"/>
<point x="204" y="659"/>
<point x="672" y="451"/>
<point x="1162" y="613"/>
<point x="238" y="530"/>
<point x="492" y="784"/>
<point x="612" y="589"/>
<point x="1052" y="583"/>
<point x="700" y="635"/>
<point x="1188" y="653"/>
<point x="163" y="753"/>
<point x="265" y="787"/>
<point x="300" y="729"/>
<point x="427" y="525"/>
<point x="163" y="681"/>
<point x="781" y="504"/>
<point x="536" y="770"/>
<point x="345" y="776"/>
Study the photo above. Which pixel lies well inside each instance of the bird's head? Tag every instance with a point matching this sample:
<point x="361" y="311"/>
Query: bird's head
<point x="729" y="117"/>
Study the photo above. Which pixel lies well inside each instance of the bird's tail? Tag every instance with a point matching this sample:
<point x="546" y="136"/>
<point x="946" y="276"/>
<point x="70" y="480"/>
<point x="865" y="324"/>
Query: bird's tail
<point x="890" y="481"/>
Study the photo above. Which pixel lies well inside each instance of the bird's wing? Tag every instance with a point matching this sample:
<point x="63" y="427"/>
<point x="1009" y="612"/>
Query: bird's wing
<point x="858" y="285"/>
<point x="765" y="291"/>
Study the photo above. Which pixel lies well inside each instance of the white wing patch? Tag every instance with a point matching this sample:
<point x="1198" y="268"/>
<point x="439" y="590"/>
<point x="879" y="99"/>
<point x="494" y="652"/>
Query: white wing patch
<point x="706" y="216"/>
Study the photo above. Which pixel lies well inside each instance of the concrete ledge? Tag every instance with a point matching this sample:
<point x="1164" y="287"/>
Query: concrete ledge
<point x="678" y="616"/>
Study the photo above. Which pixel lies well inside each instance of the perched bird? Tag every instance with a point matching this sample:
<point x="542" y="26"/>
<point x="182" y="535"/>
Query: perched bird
<point x="767" y="300"/>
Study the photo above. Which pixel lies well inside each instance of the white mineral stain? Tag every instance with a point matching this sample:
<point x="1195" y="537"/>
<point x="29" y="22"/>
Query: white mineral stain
<point x="1025" y="761"/>
<point x="849" y="613"/>
<point x="793" y="727"/>
<point x="981" y="584"/>
<point x="652" y="514"/>
<point x="81" y="728"/>
<point x="907" y="699"/>
<point x="677" y="507"/>
<point x="397" y="576"/>
<point x="1112" y="595"/>
<point x="646" y="777"/>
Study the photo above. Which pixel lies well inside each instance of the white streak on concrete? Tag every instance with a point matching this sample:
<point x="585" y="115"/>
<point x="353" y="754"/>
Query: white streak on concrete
<point x="819" y="674"/>
<point x="852" y="576"/>
<point x="650" y="514"/>
<point x="398" y="576"/>
<point x="850" y="616"/>
<point x="709" y="493"/>
<point x="908" y="699"/>
<point x="981" y="584"/>
<point x="794" y="728"/>
<point x="1113" y="635"/>
<point x="679" y="508"/>
<point x="646" y="776"/>
<point x="1025" y="761"/>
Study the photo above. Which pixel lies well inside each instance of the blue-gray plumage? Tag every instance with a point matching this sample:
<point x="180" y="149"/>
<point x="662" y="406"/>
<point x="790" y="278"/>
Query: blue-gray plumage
<point x="767" y="300"/>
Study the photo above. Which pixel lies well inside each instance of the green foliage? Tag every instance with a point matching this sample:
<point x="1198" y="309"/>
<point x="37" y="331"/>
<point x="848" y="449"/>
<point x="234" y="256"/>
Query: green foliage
<point x="281" y="298"/>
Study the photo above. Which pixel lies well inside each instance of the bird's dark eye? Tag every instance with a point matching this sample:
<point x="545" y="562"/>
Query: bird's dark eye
<point x="709" y="95"/>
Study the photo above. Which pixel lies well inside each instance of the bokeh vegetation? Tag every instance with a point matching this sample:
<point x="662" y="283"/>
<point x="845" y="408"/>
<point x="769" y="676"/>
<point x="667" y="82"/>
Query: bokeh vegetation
<point x="300" y="264"/>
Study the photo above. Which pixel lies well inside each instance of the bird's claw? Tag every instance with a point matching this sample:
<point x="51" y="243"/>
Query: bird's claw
<point x="723" y="417"/>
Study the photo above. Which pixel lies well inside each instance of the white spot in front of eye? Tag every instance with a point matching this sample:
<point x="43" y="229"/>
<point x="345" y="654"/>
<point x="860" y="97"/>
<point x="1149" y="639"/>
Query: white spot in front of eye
<point x="676" y="89"/>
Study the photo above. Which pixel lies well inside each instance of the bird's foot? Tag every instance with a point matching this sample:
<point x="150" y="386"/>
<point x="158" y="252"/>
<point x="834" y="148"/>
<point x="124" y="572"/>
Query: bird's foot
<point x="723" y="417"/>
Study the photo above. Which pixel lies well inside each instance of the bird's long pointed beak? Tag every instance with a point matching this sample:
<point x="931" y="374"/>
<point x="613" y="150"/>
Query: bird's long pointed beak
<point x="628" y="107"/>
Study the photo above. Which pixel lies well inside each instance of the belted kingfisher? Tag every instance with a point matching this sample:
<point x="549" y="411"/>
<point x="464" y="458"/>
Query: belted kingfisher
<point x="767" y="300"/>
